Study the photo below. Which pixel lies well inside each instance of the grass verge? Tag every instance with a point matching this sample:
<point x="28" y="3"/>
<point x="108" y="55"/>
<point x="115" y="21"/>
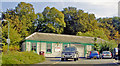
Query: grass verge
<point x="14" y="57"/>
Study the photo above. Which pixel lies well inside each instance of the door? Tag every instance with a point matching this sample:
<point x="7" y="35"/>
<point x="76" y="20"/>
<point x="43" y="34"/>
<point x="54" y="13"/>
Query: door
<point x="80" y="49"/>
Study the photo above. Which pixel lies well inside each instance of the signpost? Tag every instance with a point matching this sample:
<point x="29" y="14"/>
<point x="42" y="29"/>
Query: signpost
<point x="8" y="41"/>
<point x="0" y="16"/>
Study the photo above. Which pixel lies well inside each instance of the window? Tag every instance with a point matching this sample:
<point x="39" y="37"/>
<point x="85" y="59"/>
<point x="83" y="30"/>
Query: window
<point x="49" y="48"/>
<point x="33" y="47"/>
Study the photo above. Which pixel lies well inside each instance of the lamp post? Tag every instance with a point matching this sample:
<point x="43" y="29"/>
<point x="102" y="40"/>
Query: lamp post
<point x="8" y="40"/>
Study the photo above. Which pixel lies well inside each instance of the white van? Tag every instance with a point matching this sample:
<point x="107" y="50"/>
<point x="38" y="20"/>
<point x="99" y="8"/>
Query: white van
<point x="115" y="53"/>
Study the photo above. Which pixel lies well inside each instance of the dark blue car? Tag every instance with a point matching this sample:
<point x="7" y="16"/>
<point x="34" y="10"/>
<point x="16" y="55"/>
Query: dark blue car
<point x="93" y="54"/>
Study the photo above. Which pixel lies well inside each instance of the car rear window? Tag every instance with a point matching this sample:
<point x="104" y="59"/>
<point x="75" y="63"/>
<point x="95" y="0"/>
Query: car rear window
<point x="70" y="49"/>
<point x="93" y="51"/>
<point x="106" y="52"/>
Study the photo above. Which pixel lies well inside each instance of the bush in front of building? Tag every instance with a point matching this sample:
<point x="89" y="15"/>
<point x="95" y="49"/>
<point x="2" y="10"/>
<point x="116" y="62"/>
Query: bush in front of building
<point x="15" y="57"/>
<point x="11" y="48"/>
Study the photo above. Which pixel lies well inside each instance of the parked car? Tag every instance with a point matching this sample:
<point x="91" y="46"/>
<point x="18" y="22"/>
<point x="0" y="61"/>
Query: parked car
<point x="93" y="54"/>
<point x="115" y="53"/>
<point x="106" y="54"/>
<point x="69" y="53"/>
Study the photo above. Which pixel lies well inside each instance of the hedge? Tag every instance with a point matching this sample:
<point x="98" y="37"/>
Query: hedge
<point x="15" y="57"/>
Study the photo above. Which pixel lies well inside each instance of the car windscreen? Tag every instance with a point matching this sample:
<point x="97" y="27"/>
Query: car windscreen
<point x="70" y="49"/>
<point x="106" y="52"/>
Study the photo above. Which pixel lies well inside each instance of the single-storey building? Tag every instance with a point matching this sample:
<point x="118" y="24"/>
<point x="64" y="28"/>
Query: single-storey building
<point x="54" y="44"/>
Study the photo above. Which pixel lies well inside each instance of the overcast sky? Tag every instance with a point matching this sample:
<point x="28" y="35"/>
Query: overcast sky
<point x="101" y="8"/>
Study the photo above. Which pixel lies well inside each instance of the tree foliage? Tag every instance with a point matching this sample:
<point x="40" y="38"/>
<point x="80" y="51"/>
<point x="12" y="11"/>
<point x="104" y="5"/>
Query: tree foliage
<point x="26" y="14"/>
<point x="78" y="21"/>
<point x="21" y="23"/>
<point x="108" y="26"/>
<point x="108" y="46"/>
<point x="51" y="20"/>
<point x="99" y="33"/>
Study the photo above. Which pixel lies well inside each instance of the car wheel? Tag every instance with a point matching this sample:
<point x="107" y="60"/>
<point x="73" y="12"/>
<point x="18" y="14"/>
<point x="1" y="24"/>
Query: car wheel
<point x="66" y="59"/>
<point x="111" y="58"/>
<point x="62" y="59"/>
<point x="75" y="59"/>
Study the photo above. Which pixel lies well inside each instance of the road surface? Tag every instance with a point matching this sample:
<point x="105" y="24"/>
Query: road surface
<point x="81" y="61"/>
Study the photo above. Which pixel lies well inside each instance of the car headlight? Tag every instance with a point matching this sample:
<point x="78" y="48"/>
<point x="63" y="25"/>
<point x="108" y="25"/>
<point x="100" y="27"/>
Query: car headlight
<point x="62" y="54"/>
<point x="73" y="54"/>
<point x="116" y="53"/>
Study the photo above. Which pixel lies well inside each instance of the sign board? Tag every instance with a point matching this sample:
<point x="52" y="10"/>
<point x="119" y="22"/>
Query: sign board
<point x="57" y="48"/>
<point x="8" y="41"/>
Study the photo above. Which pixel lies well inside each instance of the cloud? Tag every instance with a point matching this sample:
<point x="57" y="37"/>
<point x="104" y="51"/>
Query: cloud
<point x="101" y="8"/>
<point x="60" y="1"/>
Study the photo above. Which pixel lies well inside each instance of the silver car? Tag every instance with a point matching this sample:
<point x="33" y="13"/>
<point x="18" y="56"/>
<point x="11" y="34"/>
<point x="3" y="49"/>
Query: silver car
<point x="69" y="53"/>
<point x="106" y="54"/>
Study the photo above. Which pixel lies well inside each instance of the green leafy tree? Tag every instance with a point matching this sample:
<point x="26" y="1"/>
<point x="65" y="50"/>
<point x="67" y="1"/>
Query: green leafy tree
<point x="14" y="36"/>
<point x="21" y="23"/>
<point x="107" y="25"/>
<point x="78" y="21"/>
<point x="99" y="33"/>
<point x="51" y="21"/>
<point x="26" y="16"/>
<point x="108" y="45"/>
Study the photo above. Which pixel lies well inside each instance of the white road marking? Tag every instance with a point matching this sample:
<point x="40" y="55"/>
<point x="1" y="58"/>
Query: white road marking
<point x="116" y="62"/>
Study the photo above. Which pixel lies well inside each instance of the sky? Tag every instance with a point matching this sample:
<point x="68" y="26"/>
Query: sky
<point x="101" y="8"/>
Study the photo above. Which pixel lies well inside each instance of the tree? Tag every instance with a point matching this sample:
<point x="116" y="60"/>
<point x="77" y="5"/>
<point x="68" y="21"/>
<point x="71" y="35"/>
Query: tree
<point x="78" y="21"/>
<point x="21" y="23"/>
<point x="107" y="25"/>
<point x="51" y="21"/>
<point x="26" y="16"/>
<point x="14" y="36"/>
<point x="108" y="45"/>
<point x="99" y="33"/>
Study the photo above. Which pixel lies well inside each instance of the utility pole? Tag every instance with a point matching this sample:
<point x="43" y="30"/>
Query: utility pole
<point x="8" y="40"/>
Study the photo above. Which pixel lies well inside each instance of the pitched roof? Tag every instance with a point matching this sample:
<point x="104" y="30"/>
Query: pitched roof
<point x="61" y="38"/>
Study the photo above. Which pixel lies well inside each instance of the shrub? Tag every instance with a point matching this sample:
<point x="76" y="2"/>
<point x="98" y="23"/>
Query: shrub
<point x="15" y="57"/>
<point x="11" y="48"/>
<point x="5" y="47"/>
<point x="14" y="48"/>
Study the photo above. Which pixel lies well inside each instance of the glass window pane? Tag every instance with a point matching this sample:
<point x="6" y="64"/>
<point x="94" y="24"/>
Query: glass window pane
<point x="64" y="46"/>
<point x="33" y="46"/>
<point x="49" y="49"/>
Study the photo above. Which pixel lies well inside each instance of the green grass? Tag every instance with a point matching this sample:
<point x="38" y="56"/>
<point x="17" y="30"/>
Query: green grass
<point x="0" y="59"/>
<point x="21" y="58"/>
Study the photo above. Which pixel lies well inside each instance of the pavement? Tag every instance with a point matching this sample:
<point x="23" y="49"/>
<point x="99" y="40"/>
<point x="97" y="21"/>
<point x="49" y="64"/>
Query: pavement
<point x="81" y="61"/>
